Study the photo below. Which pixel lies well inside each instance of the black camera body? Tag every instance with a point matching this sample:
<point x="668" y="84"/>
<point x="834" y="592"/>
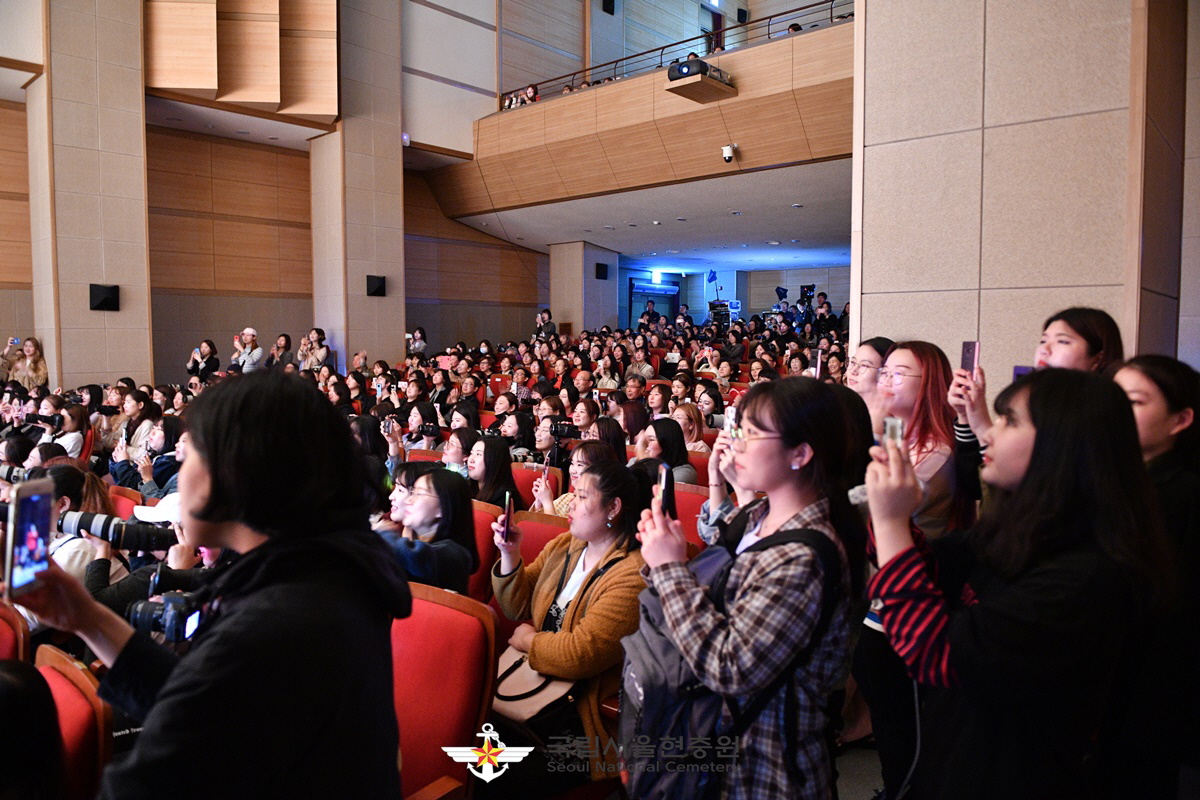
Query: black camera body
<point x="108" y="411"/>
<point x="53" y="420"/>
<point x="564" y="430"/>
<point x="429" y="429"/>
<point x="177" y="616"/>
<point x="74" y="397"/>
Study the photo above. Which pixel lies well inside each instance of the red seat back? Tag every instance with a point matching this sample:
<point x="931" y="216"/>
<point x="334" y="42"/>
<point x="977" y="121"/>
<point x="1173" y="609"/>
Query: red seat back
<point x="89" y="441"/>
<point x="417" y="454"/>
<point x="537" y="531"/>
<point x="479" y="585"/>
<point x="14" y="634"/>
<point x="85" y="720"/>
<point x="700" y="462"/>
<point x="123" y="505"/>
<point x="710" y="437"/>
<point x="446" y="650"/>
<point x="688" y="500"/>
<point x="526" y="474"/>
<point x="486" y="418"/>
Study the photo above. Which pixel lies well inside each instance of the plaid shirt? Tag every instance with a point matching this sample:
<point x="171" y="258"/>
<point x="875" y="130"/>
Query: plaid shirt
<point x="773" y="601"/>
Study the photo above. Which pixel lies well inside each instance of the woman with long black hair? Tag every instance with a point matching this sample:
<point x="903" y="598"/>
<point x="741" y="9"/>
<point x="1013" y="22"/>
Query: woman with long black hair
<point x="437" y="545"/>
<point x="490" y="467"/>
<point x="1019" y="629"/>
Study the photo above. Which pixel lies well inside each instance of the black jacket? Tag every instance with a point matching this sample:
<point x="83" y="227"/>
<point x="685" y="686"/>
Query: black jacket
<point x="287" y="689"/>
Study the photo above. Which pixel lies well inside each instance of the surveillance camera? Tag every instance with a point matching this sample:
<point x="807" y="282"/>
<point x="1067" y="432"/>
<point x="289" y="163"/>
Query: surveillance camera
<point x="727" y="152"/>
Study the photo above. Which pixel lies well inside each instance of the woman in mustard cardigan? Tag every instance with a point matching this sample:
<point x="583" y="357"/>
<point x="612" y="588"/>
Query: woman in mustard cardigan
<point x="582" y="594"/>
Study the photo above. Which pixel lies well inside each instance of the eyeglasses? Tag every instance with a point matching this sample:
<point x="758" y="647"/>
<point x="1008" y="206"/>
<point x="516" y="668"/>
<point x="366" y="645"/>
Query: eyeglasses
<point x="414" y="493"/>
<point x="738" y="439"/>
<point x="893" y="376"/>
<point x="854" y="365"/>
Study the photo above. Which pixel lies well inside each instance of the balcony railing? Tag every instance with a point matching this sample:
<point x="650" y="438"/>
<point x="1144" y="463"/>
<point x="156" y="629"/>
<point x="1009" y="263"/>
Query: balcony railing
<point x="784" y="23"/>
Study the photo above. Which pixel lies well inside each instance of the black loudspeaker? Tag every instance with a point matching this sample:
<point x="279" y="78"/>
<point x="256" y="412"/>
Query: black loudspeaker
<point x="601" y="272"/>
<point x="376" y="286"/>
<point x="743" y="15"/>
<point x="608" y="6"/>
<point x="105" y="298"/>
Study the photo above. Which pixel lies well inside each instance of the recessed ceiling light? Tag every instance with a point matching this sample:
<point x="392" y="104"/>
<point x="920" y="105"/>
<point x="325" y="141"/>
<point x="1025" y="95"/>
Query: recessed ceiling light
<point x="795" y="240"/>
<point x="520" y="238"/>
<point x="242" y="133"/>
<point x="210" y="127"/>
<point x="174" y="119"/>
<point x="772" y="242"/>
<point x="484" y="224"/>
<point x="745" y="245"/>
<point x="633" y="224"/>
<point x="797" y="205"/>
<point x="273" y="138"/>
<point x="736" y="213"/>
<point x="681" y="219"/>
<point x="587" y="230"/>
<point x="609" y="228"/>
<point x="656" y="222"/>
<point x="672" y="251"/>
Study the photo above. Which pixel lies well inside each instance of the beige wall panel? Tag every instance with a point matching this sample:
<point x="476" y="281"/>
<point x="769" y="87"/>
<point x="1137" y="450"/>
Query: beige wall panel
<point x="1054" y="202"/>
<point x="526" y="62"/>
<point x="181" y="270"/>
<point x="175" y="234"/>
<point x="248" y="62"/>
<point x="14" y="171"/>
<point x="1088" y="59"/>
<point x="243" y="273"/>
<point x="931" y="240"/>
<point x="908" y="315"/>
<point x="181" y="46"/>
<point x="172" y="153"/>
<point x="308" y="77"/>
<point x="240" y="199"/>
<point x="247" y="164"/>
<point x="828" y="116"/>
<point x="308" y="15"/>
<point x="16" y="308"/>
<point x="179" y="191"/>
<point x="240" y="238"/>
<point x="912" y="94"/>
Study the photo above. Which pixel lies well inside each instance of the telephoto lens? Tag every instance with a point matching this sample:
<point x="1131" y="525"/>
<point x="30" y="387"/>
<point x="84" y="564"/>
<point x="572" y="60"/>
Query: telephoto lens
<point x="564" y="430"/>
<point x="120" y="534"/>
<point x="176" y="617"/>
<point x="12" y="474"/>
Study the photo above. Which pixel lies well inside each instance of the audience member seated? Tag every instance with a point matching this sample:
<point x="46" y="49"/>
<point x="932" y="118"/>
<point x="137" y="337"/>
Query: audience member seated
<point x="158" y="463"/>
<point x="581" y="594"/>
<point x="583" y="456"/>
<point x="517" y="429"/>
<point x="457" y="447"/>
<point x="691" y="422"/>
<point x="489" y="466"/>
<point x="663" y="440"/>
<point x="437" y="543"/>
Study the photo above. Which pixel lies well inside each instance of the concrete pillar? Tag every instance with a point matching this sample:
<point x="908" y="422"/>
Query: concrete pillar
<point x="358" y="192"/>
<point x="87" y="177"/>
<point x="1006" y="169"/>
<point x="577" y="297"/>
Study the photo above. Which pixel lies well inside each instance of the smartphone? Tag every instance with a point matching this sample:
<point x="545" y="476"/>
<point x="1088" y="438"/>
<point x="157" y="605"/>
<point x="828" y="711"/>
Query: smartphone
<point x="970" y="356"/>
<point x="730" y="419"/>
<point x="30" y="518"/>
<point x="817" y="364"/>
<point x="387" y="426"/>
<point x="408" y="336"/>
<point x="124" y="436"/>
<point x="508" y="515"/>
<point x="666" y="489"/>
<point x="893" y="428"/>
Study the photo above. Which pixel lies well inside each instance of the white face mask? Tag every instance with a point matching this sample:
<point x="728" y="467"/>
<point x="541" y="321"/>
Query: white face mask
<point x="483" y="349"/>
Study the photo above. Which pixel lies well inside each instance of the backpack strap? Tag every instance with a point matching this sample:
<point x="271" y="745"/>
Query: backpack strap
<point x="830" y="559"/>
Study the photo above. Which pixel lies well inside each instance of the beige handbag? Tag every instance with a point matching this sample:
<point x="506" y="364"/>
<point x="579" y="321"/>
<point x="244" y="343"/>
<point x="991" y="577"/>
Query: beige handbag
<point x="521" y="692"/>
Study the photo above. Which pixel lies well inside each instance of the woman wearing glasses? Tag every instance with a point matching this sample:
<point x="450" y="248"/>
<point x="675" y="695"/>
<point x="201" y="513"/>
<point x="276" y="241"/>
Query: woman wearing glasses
<point x="437" y="546"/>
<point x="862" y="376"/>
<point x="792" y="447"/>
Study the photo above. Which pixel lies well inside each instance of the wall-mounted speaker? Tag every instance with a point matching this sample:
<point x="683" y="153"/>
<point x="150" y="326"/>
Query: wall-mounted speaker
<point x="601" y="272"/>
<point x="743" y="15"/>
<point x="608" y="6"/>
<point x="105" y="298"/>
<point x="376" y="286"/>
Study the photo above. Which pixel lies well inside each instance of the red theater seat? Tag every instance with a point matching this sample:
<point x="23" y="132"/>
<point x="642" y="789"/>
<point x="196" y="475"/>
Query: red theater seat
<point x="14" y="634"/>
<point x="526" y="474"/>
<point x="85" y="720"/>
<point x="479" y="586"/>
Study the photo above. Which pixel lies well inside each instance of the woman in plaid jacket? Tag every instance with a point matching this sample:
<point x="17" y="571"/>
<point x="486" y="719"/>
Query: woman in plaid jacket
<point x="791" y="445"/>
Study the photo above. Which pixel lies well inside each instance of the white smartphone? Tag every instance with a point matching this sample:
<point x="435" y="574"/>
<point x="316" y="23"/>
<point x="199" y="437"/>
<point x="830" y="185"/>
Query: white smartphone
<point x="30" y="517"/>
<point x="730" y="418"/>
<point x="893" y="428"/>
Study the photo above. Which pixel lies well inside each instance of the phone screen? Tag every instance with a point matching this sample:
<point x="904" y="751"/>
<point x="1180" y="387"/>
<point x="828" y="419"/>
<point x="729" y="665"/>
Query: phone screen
<point x="666" y="490"/>
<point x="893" y="428"/>
<point x="970" y="356"/>
<point x="508" y="514"/>
<point x="29" y="534"/>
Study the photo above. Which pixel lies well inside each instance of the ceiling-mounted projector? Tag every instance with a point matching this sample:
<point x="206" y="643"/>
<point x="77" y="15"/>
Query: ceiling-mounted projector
<point x="686" y="69"/>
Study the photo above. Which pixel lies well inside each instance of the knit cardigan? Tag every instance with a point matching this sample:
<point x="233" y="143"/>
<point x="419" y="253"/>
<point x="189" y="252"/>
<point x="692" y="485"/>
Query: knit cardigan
<point x="588" y="648"/>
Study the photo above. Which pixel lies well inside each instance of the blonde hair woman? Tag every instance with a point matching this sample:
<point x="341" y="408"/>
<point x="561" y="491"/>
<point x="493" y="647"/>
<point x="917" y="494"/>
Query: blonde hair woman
<point x="691" y="420"/>
<point x="27" y="365"/>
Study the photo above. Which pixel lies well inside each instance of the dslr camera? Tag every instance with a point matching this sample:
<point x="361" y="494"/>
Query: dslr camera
<point x="53" y="420"/>
<point x="176" y="616"/>
<point x="429" y="429"/>
<point x="564" y="430"/>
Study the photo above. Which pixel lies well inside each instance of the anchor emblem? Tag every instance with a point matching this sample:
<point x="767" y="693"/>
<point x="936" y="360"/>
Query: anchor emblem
<point x="491" y="759"/>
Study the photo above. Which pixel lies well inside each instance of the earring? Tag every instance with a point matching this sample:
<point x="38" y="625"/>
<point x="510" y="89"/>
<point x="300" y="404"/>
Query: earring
<point x="795" y="467"/>
<point x="609" y="523"/>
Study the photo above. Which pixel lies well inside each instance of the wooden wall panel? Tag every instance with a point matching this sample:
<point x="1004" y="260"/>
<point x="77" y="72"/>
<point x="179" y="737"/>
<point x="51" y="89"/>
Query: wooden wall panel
<point x="253" y="237"/>
<point x="248" y="60"/>
<point x="793" y="105"/>
<point x="308" y="15"/>
<point x="309" y="77"/>
<point x="16" y="255"/>
<point x="181" y="46"/>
